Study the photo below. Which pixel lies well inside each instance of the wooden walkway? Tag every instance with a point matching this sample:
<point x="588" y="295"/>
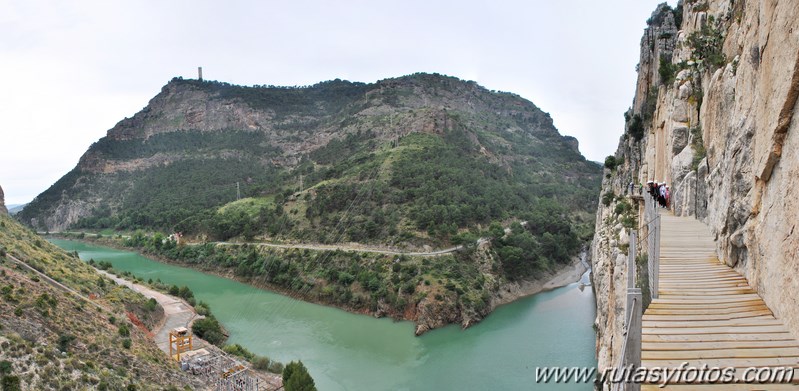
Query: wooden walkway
<point x="707" y="313"/>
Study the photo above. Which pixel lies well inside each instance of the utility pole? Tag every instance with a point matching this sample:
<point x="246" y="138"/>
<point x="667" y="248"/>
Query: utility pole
<point x="238" y="191"/>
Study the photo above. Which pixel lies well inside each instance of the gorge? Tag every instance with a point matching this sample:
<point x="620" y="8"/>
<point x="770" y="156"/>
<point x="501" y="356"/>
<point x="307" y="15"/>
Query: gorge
<point x="713" y="116"/>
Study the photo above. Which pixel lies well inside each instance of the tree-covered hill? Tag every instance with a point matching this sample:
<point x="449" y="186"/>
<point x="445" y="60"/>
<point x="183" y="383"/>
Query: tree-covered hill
<point x="420" y="161"/>
<point x="416" y="159"/>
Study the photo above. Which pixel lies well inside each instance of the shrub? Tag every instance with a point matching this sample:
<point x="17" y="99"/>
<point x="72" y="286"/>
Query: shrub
<point x="636" y="127"/>
<point x="126" y="343"/>
<point x="698" y="145"/>
<point x="209" y="329"/>
<point x="11" y="383"/>
<point x="610" y="162"/>
<point x="238" y="350"/>
<point x="261" y="363"/>
<point x="5" y="367"/>
<point x="622" y="207"/>
<point x="706" y="45"/>
<point x="64" y="341"/>
<point x="297" y="378"/>
<point x="650" y="104"/>
<point x="123" y="330"/>
<point x="667" y="71"/>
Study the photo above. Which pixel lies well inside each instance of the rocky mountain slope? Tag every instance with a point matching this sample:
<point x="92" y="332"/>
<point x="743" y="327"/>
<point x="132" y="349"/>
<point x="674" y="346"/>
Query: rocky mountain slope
<point x="52" y="340"/>
<point x="410" y="160"/>
<point x="713" y="116"/>
<point x="416" y="162"/>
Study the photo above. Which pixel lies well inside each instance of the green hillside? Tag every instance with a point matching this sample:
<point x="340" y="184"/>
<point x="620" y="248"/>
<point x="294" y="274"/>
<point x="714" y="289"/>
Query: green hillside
<point x="51" y="340"/>
<point x="417" y="160"/>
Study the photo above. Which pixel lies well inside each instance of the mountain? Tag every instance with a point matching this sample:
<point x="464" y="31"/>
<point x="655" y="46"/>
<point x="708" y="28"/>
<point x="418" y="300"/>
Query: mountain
<point x="714" y="116"/>
<point x="413" y="163"/>
<point x="53" y="340"/>
<point x="414" y="159"/>
<point x="15" y="208"/>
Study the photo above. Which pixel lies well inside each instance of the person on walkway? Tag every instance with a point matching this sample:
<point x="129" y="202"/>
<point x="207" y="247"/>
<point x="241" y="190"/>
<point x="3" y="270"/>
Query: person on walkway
<point x="653" y="191"/>
<point x="668" y="197"/>
<point x="662" y="195"/>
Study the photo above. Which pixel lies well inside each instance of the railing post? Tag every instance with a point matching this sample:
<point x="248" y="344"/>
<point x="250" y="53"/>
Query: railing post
<point x="632" y="352"/>
<point x="631" y="269"/>
<point x="656" y="264"/>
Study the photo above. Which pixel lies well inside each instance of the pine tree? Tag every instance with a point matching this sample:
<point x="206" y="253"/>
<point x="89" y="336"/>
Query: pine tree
<point x="297" y="378"/>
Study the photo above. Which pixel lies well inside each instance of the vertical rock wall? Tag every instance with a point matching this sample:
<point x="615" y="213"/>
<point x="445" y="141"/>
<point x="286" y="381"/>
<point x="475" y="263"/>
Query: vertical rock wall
<point x="722" y="133"/>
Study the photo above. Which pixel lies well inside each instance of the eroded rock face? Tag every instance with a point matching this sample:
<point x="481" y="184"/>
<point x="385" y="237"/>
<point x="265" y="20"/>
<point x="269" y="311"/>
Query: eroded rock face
<point x="3" y="209"/>
<point x="745" y="186"/>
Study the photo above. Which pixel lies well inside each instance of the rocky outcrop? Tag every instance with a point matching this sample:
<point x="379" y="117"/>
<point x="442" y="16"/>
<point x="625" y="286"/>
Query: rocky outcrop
<point x="719" y="133"/>
<point x="209" y="135"/>
<point x="3" y="209"/>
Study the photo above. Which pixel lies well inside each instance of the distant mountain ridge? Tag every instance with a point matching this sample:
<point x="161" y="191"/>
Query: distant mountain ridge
<point x="420" y="157"/>
<point x="15" y="208"/>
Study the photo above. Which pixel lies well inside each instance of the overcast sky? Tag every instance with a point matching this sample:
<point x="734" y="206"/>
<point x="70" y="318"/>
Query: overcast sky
<point x="70" y="70"/>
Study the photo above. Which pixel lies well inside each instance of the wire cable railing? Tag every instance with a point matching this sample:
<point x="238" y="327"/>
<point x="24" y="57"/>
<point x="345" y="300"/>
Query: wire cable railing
<point x="652" y="216"/>
<point x="630" y="353"/>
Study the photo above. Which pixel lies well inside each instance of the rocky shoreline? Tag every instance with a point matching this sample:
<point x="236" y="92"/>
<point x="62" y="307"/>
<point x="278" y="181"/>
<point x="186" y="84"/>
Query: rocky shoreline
<point x="513" y="291"/>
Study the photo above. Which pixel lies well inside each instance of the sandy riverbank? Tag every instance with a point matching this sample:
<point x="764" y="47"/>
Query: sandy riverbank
<point x="513" y="291"/>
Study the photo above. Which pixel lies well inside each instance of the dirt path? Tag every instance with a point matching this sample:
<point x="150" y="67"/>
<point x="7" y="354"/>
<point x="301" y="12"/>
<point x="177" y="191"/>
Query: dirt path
<point x="177" y="313"/>
<point x="348" y="248"/>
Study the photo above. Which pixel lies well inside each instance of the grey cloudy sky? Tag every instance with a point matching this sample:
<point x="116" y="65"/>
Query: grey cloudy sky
<point x="70" y="70"/>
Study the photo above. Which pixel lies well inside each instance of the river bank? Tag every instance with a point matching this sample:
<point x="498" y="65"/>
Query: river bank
<point x="179" y="313"/>
<point x="434" y="310"/>
<point x="345" y="351"/>
<point x="513" y="291"/>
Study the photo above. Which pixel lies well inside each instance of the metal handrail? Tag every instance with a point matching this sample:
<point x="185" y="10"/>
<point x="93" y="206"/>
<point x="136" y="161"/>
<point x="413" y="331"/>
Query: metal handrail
<point x="652" y="214"/>
<point x="623" y="359"/>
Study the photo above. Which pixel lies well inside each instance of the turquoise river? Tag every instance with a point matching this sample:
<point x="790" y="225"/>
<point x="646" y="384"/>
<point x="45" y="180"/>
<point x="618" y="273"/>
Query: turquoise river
<point x="345" y="351"/>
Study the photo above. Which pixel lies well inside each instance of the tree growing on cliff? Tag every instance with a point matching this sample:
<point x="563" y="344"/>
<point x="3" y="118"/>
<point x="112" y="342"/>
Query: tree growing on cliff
<point x="636" y="127"/>
<point x="297" y="378"/>
<point x="706" y="45"/>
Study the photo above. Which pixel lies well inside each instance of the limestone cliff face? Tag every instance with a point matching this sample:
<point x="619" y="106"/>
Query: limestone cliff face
<point x="716" y="100"/>
<point x="3" y="209"/>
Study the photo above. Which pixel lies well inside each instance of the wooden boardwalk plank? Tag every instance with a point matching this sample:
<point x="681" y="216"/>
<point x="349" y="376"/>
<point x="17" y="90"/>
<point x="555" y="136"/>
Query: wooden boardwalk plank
<point x="656" y="346"/>
<point x="707" y="313"/>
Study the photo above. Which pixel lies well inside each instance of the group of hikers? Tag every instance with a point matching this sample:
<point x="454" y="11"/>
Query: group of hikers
<point x="660" y="192"/>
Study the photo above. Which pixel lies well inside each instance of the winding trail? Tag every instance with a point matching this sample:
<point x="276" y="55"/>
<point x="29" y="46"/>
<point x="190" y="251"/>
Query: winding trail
<point x="177" y="313"/>
<point x="348" y="248"/>
<point x="351" y="247"/>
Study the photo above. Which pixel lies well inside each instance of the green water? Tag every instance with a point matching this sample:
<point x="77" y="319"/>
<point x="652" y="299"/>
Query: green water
<point x="344" y="351"/>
